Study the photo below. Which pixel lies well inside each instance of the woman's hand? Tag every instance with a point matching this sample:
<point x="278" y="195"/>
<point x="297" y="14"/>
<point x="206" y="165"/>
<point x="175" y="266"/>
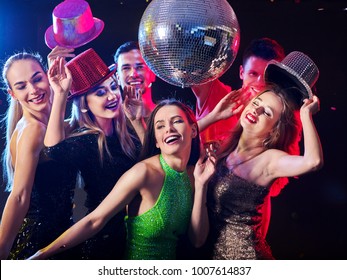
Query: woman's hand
<point x="231" y="104"/>
<point x="205" y="167"/>
<point x="59" y="52"/>
<point x="311" y="106"/>
<point x="60" y="77"/>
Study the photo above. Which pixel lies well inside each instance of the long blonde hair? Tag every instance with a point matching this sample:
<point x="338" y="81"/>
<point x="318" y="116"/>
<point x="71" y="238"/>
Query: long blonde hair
<point x="14" y="112"/>
<point x="79" y="119"/>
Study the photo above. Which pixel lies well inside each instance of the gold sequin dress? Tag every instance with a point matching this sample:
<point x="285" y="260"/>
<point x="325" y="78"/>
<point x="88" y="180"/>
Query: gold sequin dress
<point x="235" y="216"/>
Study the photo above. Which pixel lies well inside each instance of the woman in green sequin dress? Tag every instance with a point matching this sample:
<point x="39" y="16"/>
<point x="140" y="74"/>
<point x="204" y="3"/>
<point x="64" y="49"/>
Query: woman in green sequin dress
<point x="165" y="194"/>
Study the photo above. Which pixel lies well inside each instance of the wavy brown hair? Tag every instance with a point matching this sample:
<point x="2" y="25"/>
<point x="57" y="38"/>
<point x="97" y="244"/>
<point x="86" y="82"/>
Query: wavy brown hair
<point x="285" y="135"/>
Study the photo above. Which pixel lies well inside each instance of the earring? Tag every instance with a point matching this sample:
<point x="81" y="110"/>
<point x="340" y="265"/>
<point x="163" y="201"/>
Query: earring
<point x="150" y="85"/>
<point x="84" y="111"/>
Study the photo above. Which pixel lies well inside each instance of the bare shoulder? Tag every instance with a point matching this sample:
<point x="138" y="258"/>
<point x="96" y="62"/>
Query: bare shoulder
<point x="148" y="170"/>
<point x="30" y="134"/>
<point x="273" y="154"/>
<point x="149" y="166"/>
<point x="271" y="157"/>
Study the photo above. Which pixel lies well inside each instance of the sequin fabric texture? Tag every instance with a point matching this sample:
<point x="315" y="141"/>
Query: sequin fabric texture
<point x="50" y="210"/>
<point x="154" y="234"/>
<point x="235" y="217"/>
<point x="81" y="152"/>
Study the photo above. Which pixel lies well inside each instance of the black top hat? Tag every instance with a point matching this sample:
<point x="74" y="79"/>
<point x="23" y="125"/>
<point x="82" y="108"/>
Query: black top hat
<point x="296" y="73"/>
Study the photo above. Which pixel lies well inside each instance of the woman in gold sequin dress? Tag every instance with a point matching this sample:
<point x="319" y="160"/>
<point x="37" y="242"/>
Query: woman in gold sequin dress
<point x="249" y="165"/>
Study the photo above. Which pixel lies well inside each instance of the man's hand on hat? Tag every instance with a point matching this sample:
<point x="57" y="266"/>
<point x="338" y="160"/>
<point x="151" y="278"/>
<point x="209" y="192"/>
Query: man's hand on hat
<point x="59" y="51"/>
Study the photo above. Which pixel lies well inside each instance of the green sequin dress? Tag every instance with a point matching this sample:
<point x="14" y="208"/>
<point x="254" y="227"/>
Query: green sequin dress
<point x="153" y="235"/>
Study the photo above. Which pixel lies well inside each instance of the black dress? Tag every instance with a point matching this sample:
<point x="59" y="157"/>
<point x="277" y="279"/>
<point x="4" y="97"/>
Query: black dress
<point x="81" y="152"/>
<point x="235" y="217"/>
<point x="50" y="210"/>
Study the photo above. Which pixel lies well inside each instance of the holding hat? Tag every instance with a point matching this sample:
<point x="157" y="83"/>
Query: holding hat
<point x="73" y="25"/>
<point x="296" y="73"/>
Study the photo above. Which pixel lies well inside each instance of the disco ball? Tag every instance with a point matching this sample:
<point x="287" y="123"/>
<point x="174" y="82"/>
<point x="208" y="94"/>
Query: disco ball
<point x="189" y="42"/>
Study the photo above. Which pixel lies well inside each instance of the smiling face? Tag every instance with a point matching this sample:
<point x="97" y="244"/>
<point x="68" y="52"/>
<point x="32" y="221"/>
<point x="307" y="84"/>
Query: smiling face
<point x="252" y="75"/>
<point x="29" y="85"/>
<point x="104" y="101"/>
<point x="262" y="113"/>
<point x="173" y="132"/>
<point x="133" y="71"/>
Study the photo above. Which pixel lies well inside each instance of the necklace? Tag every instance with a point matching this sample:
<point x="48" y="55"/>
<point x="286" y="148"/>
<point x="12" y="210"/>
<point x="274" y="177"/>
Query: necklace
<point x="232" y="165"/>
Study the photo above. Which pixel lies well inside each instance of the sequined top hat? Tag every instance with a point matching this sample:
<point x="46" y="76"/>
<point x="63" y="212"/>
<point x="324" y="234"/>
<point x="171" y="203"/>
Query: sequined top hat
<point x="296" y="72"/>
<point x="88" y="70"/>
<point x="73" y="25"/>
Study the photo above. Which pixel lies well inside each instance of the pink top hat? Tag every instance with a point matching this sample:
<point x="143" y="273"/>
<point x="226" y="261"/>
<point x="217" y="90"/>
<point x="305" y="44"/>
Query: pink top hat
<point x="73" y="25"/>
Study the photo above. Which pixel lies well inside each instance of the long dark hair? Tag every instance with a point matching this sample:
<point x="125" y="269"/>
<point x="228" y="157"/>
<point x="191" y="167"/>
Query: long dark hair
<point x="149" y="147"/>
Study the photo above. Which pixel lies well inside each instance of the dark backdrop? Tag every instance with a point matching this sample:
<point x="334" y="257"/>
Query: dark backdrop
<point x="309" y="216"/>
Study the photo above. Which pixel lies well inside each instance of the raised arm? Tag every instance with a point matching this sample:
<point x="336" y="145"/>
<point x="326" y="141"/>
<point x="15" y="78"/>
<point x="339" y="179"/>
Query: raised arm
<point x="29" y="145"/>
<point x="229" y="105"/>
<point x="199" y="224"/>
<point x="312" y="159"/>
<point x="122" y="194"/>
<point x="60" y="80"/>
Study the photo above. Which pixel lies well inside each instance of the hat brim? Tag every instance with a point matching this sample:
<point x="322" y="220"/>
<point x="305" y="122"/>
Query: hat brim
<point x="283" y="76"/>
<point x="52" y="43"/>
<point x="81" y="92"/>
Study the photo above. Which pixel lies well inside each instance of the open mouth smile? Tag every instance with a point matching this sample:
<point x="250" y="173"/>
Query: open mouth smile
<point x="37" y="99"/>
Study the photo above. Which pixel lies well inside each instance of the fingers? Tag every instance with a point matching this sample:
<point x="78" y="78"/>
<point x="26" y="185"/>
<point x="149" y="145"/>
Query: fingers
<point x="67" y="72"/>
<point x="129" y="91"/>
<point x="62" y="52"/>
<point x="132" y="92"/>
<point x="312" y="104"/>
<point x="238" y="109"/>
<point x="62" y="67"/>
<point x="53" y="68"/>
<point x="126" y="101"/>
<point x="210" y="152"/>
<point x="139" y="94"/>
